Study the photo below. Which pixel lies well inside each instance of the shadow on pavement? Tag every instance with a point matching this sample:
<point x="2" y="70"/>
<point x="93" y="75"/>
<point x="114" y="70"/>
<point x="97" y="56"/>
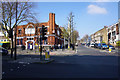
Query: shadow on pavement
<point x="75" y="66"/>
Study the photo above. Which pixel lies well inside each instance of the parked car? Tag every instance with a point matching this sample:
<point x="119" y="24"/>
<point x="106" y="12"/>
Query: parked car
<point x="95" y="45"/>
<point x="112" y="47"/>
<point x="92" y="45"/>
<point x="3" y="51"/>
<point x="82" y="43"/>
<point x="102" y="46"/>
<point x="88" y="44"/>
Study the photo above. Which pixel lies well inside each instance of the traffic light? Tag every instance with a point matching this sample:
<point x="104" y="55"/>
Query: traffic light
<point x="44" y="32"/>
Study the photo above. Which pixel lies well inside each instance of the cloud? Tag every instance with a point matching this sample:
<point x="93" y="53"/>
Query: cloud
<point x="94" y="9"/>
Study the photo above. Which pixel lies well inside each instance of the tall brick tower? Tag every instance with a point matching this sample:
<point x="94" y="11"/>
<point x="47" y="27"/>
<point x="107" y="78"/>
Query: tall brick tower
<point x="51" y="22"/>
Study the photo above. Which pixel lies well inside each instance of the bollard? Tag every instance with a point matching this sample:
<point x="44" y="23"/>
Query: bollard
<point x="47" y="56"/>
<point x="109" y="49"/>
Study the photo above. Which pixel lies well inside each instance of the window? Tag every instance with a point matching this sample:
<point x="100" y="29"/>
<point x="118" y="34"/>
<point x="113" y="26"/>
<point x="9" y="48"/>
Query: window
<point x="19" y="31"/>
<point x="113" y="33"/>
<point x="21" y="42"/>
<point x="18" y="42"/>
<point x="24" y="30"/>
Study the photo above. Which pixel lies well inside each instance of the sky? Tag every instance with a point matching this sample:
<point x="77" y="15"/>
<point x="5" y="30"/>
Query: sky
<point x="89" y="17"/>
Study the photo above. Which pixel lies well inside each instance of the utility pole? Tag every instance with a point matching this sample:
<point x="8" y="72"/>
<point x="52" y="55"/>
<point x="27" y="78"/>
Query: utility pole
<point x="15" y="31"/>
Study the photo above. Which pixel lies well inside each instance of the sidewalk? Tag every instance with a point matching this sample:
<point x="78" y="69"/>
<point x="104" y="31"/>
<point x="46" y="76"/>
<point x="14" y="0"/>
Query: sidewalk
<point x="54" y="52"/>
<point x="63" y="52"/>
<point x="27" y="59"/>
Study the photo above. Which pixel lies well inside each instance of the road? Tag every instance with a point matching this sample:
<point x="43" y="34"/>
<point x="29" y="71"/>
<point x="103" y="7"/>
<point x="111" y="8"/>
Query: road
<point x="86" y="63"/>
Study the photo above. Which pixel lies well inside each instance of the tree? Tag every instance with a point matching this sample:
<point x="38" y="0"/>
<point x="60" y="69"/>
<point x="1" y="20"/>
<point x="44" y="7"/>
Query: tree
<point x="86" y="38"/>
<point x="9" y="16"/>
<point x="65" y="33"/>
<point x="75" y="36"/>
<point x="70" y="29"/>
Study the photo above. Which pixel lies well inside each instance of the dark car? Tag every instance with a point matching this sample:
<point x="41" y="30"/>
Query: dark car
<point x="3" y="51"/>
<point x="88" y="44"/>
<point x="95" y="45"/>
<point x="83" y="43"/>
<point x="112" y="47"/>
<point x="102" y="46"/>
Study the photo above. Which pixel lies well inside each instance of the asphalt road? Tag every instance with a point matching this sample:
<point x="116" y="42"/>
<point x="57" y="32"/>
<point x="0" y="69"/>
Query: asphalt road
<point x="87" y="63"/>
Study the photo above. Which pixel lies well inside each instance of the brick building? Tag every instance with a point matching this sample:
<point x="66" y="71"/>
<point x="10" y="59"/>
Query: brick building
<point x="100" y="36"/>
<point x="29" y="34"/>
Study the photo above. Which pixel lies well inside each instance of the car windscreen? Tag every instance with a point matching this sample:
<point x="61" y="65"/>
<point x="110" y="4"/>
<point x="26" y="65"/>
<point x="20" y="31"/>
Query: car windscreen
<point x="110" y="46"/>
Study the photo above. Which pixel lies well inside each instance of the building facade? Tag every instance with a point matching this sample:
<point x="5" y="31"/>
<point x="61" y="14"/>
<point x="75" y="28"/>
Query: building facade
<point x="3" y="39"/>
<point x="113" y="33"/>
<point x="100" y="36"/>
<point x="29" y="34"/>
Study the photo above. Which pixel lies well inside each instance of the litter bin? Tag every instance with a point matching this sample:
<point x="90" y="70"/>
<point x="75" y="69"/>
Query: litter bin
<point x="47" y="55"/>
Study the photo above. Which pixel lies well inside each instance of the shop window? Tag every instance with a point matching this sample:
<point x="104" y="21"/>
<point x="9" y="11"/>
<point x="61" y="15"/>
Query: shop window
<point x="18" y="42"/>
<point x="21" y="42"/>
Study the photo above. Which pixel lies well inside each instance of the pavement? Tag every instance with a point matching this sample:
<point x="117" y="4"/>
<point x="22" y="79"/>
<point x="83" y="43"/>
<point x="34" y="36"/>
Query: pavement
<point x="27" y="59"/>
<point x="57" y="52"/>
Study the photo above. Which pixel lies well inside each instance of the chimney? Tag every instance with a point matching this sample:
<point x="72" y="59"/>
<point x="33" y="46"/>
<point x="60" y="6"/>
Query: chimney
<point x="51" y="22"/>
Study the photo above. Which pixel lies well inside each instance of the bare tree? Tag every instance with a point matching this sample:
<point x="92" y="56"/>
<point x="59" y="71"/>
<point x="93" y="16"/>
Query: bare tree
<point x="75" y="36"/>
<point x="85" y="38"/>
<point x="24" y="14"/>
<point x="70" y="28"/>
